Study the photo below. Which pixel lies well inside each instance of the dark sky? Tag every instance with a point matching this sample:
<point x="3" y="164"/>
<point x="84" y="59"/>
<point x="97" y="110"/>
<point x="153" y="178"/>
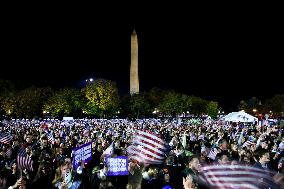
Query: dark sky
<point x="220" y="56"/>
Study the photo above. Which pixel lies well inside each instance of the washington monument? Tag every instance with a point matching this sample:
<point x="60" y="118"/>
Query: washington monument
<point x="134" y="78"/>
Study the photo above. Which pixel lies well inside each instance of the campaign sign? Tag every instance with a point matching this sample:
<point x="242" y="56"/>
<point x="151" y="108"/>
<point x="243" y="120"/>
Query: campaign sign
<point x="82" y="153"/>
<point x="117" y="166"/>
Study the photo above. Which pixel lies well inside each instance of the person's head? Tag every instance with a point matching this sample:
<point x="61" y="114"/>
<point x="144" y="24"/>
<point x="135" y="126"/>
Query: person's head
<point x="170" y="160"/>
<point x="223" y="158"/>
<point x="68" y="162"/>
<point x="28" y="150"/>
<point x="153" y="172"/>
<point x="193" y="163"/>
<point x="64" y="168"/>
<point x="264" y="156"/>
<point x="44" y="141"/>
<point x="246" y="160"/>
<point x="224" y="145"/>
<point x="29" y="138"/>
<point x="234" y="147"/>
<point x="264" y="144"/>
<point x="44" y="168"/>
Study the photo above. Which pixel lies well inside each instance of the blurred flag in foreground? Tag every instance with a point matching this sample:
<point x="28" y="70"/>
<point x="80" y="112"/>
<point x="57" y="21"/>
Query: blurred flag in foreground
<point x="148" y="148"/>
<point x="236" y="177"/>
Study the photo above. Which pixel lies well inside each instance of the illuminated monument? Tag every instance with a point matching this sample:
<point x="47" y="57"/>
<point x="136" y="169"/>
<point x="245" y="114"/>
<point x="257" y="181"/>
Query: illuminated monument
<point x="134" y="78"/>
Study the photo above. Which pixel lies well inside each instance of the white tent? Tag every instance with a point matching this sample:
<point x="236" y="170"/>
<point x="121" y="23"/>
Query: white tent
<point x="240" y="116"/>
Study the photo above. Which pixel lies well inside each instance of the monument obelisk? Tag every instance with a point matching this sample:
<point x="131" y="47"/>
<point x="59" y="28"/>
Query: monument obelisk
<point x="134" y="78"/>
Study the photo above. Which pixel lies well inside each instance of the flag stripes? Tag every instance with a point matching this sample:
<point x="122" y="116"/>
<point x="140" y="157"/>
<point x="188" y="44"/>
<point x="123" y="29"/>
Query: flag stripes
<point x="147" y="148"/>
<point x="8" y="152"/>
<point x="50" y="138"/>
<point x="6" y="138"/>
<point x="24" y="161"/>
<point x="213" y="153"/>
<point x="235" y="176"/>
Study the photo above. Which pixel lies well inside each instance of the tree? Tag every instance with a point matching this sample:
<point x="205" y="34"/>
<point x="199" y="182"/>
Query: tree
<point x="243" y="105"/>
<point x="171" y="104"/>
<point x="199" y="106"/>
<point x="7" y="90"/>
<point x="139" y="106"/>
<point x="212" y="109"/>
<point x="102" y="98"/>
<point x="251" y="105"/>
<point x="64" y="102"/>
<point x="6" y="87"/>
<point x="155" y="97"/>
<point x="27" y="102"/>
<point x="8" y="103"/>
<point x="124" y="106"/>
<point x="275" y="105"/>
<point x="186" y="103"/>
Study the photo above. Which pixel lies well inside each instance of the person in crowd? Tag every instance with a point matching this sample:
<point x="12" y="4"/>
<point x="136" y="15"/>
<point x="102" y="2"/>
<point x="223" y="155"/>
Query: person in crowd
<point x="192" y="169"/>
<point x="135" y="174"/>
<point x="263" y="160"/>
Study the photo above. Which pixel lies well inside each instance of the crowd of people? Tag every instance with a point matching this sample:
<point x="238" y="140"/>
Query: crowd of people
<point x="191" y="146"/>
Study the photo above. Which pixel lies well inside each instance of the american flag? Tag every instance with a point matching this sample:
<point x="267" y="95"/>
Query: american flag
<point x="24" y="161"/>
<point x="213" y="153"/>
<point x="108" y="151"/>
<point x="6" y="138"/>
<point x="147" y="148"/>
<point x="236" y="177"/>
<point x="248" y="143"/>
<point x="8" y="152"/>
<point x="50" y="138"/>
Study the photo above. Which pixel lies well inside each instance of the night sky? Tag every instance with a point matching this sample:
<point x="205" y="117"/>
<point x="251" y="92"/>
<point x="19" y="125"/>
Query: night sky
<point x="224" y="56"/>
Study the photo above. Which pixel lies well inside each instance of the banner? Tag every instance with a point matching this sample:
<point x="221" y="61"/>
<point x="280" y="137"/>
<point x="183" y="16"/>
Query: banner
<point x="82" y="153"/>
<point x="117" y="166"/>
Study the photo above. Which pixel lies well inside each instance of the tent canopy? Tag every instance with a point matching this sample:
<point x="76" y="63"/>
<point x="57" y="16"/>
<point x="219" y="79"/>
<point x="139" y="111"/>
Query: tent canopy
<point x="240" y="116"/>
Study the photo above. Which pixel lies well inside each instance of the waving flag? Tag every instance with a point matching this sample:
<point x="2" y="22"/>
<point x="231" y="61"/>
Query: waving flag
<point x="236" y="177"/>
<point x="109" y="150"/>
<point x="147" y="148"/>
<point x="248" y="143"/>
<point x="8" y="152"/>
<point x="213" y="153"/>
<point x="50" y="138"/>
<point x="6" y="138"/>
<point x="24" y="161"/>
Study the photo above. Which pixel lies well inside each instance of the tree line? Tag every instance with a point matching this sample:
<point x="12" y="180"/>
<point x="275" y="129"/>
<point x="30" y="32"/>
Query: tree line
<point x="101" y="99"/>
